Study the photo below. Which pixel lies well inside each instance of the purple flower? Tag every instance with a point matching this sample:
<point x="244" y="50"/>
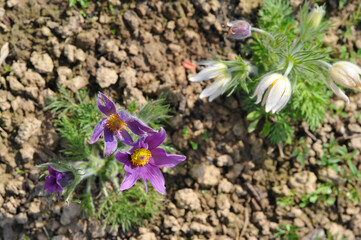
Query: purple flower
<point x="115" y="124"/>
<point x="56" y="181"/>
<point x="144" y="159"/>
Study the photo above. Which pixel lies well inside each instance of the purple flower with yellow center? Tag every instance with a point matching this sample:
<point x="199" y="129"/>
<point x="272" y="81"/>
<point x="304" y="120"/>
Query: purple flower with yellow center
<point x="56" y="181"/>
<point x="144" y="159"/>
<point x="115" y="124"/>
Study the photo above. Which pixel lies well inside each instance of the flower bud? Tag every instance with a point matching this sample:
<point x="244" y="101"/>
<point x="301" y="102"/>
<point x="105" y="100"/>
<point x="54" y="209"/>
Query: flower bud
<point x="315" y="16"/>
<point x="347" y="75"/>
<point x="238" y="30"/>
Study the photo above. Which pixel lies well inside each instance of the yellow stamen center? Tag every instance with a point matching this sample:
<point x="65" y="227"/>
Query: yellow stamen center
<point x="140" y="157"/>
<point x="115" y="124"/>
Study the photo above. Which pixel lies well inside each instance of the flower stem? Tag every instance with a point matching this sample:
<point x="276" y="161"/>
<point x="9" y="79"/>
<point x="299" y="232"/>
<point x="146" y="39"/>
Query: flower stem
<point x="263" y="32"/>
<point x="289" y="68"/>
<point x="324" y="63"/>
<point x="96" y="159"/>
<point x="103" y="187"/>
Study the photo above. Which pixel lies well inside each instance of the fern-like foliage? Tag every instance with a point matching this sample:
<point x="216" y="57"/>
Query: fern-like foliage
<point x="129" y="209"/>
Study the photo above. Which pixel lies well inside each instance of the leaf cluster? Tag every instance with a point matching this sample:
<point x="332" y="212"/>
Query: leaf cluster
<point x="83" y="3"/>
<point x="155" y="112"/>
<point x="287" y="231"/>
<point x="77" y="115"/>
<point x="130" y="208"/>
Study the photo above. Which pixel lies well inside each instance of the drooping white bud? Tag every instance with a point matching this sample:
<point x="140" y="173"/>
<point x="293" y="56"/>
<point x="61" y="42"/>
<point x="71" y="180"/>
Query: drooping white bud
<point x="347" y="75"/>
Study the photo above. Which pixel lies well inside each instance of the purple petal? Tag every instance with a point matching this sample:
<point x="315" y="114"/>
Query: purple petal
<point x="66" y="180"/>
<point x="124" y="137"/>
<point x="129" y="180"/>
<point x="160" y="158"/>
<point x="51" y="170"/>
<point x="97" y="131"/>
<point x="124" y="116"/>
<point x="125" y="158"/>
<point x="110" y="142"/>
<point x="155" y="177"/>
<point x="155" y="139"/>
<point x="50" y="184"/>
<point x="139" y="144"/>
<point x="108" y="108"/>
<point x="139" y="128"/>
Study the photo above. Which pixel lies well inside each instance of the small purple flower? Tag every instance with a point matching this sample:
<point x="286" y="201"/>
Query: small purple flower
<point x="56" y="181"/>
<point x="115" y="124"/>
<point x="144" y="159"/>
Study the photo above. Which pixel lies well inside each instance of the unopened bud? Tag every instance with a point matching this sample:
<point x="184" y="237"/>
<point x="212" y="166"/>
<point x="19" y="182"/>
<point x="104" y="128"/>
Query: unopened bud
<point x="315" y="16"/>
<point x="238" y="30"/>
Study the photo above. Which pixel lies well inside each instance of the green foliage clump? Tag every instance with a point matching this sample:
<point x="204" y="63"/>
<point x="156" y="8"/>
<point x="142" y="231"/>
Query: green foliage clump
<point x="76" y="116"/>
<point x="130" y="208"/>
<point x="289" y="43"/>
<point x="287" y="231"/>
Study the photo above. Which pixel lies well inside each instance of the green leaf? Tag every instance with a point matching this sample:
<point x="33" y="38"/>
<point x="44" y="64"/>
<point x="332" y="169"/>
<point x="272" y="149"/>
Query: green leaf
<point x="84" y="3"/>
<point x="132" y="106"/>
<point x="330" y="201"/>
<point x="7" y="68"/>
<point x="252" y="126"/>
<point x="72" y="3"/>
<point x="313" y="198"/>
<point x="352" y="167"/>
<point x="193" y="145"/>
<point x="266" y="128"/>
<point x="253" y="115"/>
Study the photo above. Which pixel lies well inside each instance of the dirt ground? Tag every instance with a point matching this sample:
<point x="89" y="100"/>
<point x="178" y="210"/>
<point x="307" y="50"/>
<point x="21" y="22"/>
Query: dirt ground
<point x="134" y="50"/>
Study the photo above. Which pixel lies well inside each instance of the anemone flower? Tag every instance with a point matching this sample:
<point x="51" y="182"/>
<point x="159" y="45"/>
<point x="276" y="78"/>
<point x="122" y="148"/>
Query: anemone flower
<point x="144" y="159"/>
<point x="278" y="93"/>
<point x="217" y="71"/>
<point x="347" y="75"/>
<point x="115" y="126"/>
<point x="56" y="181"/>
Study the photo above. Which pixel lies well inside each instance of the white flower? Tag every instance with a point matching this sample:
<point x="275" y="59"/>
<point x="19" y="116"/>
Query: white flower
<point x="278" y="93"/>
<point x="315" y="16"/>
<point x="217" y="71"/>
<point x="347" y="75"/>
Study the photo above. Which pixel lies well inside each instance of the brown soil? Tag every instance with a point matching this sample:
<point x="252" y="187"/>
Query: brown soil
<point x="142" y="45"/>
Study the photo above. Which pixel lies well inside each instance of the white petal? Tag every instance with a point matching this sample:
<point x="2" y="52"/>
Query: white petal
<point x="206" y="62"/>
<point x="216" y="88"/>
<point x="220" y="90"/>
<point x="264" y="84"/>
<point x="284" y="99"/>
<point x="275" y="94"/>
<point x="265" y="97"/>
<point x="338" y="91"/>
<point x="209" y="72"/>
<point x="352" y="73"/>
<point x="281" y="103"/>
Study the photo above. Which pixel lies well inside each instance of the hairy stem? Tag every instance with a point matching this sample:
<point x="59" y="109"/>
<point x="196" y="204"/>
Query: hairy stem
<point x="263" y="32"/>
<point x="324" y="63"/>
<point x="289" y="68"/>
